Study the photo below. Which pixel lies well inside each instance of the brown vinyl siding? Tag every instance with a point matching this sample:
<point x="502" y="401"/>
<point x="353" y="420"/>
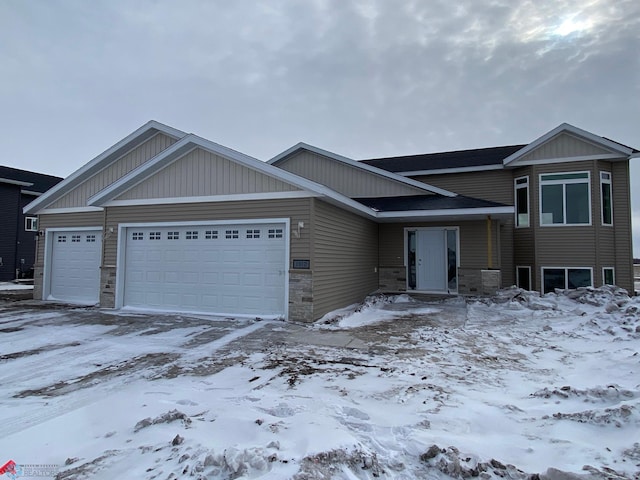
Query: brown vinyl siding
<point x="491" y="185"/>
<point x="563" y="146"/>
<point x="345" y="179"/>
<point x="113" y="172"/>
<point x="345" y="258"/>
<point x="202" y="173"/>
<point x="621" y="191"/>
<point x="294" y="209"/>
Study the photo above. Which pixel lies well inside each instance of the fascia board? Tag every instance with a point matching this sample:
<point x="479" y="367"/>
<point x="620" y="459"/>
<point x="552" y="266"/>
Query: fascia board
<point x="362" y="166"/>
<point x="96" y="164"/>
<point x="453" y="212"/>
<point x="440" y="171"/>
<point x="190" y="142"/>
<point x="567" y="128"/>
<point x="15" y="182"/>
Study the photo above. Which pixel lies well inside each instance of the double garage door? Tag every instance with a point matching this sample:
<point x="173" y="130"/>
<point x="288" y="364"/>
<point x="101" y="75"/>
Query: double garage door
<point x="232" y="269"/>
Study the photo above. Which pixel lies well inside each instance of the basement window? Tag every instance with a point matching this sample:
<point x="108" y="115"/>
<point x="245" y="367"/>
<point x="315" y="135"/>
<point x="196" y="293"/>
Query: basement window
<point x="608" y="276"/>
<point x="565" y="278"/>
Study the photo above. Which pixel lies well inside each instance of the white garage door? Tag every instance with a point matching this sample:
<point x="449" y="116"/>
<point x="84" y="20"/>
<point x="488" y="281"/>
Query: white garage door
<point x="75" y="266"/>
<point x="236" y="269"/>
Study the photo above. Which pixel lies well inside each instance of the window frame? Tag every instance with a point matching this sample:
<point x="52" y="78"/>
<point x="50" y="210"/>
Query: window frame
<point x="604" y="277"/>
<point x="517" y="187"/>
<point x="564" y="183"/>
<point x="602" y="183"/>
<point x="518" y="267"/>
<point x="566" y="275"/>
<point x="29" y="223"/>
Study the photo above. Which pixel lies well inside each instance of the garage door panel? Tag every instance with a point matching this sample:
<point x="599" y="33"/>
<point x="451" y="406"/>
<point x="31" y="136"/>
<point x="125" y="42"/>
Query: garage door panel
<point x="223" y="269"/>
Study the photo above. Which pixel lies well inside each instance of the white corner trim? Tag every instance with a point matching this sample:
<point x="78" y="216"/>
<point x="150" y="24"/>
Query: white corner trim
<point x="213" y="198"/>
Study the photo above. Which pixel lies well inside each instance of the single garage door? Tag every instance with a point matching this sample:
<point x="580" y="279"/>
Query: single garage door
<point x="234" y="269"/>
<point x="74" y="274"/>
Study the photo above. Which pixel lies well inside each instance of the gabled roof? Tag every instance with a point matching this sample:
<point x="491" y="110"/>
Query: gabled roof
<point x="359" y="165"/>
<point x="100" y="162"/>
<point x="32" y="181"/>
<point x="617" y="149"/>
<point x="188" y="143"/>
<point x="460" y="159"/>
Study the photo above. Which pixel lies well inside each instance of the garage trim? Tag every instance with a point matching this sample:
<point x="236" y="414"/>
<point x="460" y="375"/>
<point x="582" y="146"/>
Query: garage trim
<point x="122" y="242"/>
<point x="49" y="235"/>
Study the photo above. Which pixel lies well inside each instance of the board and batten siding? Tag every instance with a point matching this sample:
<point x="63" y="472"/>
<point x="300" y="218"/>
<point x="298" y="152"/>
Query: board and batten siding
<point x="345" y="258"/>
<point x="491" y="185"/>
<point x="295" y="209"/>
<point x="563" y="146"/>
<point x="202" y="173"/>
<point x="348" y="180"/>
<point x="113" y="172"/>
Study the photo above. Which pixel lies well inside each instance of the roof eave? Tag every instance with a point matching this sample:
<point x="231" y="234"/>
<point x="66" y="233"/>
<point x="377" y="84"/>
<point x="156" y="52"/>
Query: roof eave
<point x="499" y="213"/>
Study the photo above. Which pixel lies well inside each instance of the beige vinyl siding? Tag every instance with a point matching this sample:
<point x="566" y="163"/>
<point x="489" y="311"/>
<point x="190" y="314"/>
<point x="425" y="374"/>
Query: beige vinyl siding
<point x="113" y="172"/>
<point x="506" y="253"/>
<point x="202" y="173"/>
<point x="67" y="220"/>
<point x="563" y="146"/>
<point x="294" y="209"/>
<point x="344" y="260"/>
<point x="622" y="224"/>
<point x="491" y="185"/>
<point x="473" y="243"/>
<point x="345" y="179"/>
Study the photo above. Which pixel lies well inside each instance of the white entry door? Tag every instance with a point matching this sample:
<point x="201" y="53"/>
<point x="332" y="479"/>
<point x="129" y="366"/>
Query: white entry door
<point x="230" y="269"/>
<point x="74" y="266"/>
<point x="432" y="263"/>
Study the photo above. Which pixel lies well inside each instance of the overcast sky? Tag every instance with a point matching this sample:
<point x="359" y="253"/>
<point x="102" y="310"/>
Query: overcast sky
<point x="360" y="78"/>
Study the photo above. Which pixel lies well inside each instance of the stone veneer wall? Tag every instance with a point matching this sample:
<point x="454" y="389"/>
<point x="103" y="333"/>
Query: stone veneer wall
<point x="392" y="279"/>
<point x="300" y="296"/>
<point x="38" y="273"/>
<point x="478" y="282"/>
<point x="108" y="286"/>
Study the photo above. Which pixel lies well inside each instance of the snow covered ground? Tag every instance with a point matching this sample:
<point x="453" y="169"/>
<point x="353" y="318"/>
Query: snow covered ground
<point x="507" y="387"/>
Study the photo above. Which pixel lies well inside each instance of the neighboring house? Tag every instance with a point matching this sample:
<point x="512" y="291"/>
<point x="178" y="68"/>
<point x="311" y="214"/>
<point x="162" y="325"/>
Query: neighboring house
<point x="171" y="221"/>
<point x="18" y="232"/>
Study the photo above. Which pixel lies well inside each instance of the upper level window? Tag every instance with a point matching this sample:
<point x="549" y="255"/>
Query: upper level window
<point x="605" y="198"/>
<point x="522" y="201"/>
<point x="31" y="224"/>
<point x="565" y="199"/>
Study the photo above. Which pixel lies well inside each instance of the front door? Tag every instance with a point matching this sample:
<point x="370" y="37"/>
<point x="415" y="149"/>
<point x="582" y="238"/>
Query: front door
<point x="433" y="259"/>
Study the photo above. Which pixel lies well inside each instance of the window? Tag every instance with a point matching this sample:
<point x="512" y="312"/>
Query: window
<point x="91" y="239"/>
<point x="523" y="277"/>
<point x="137" y="236"/>
<point x="231" y="234"/>
<point x="155" y="236"/>
<point x="31" y="224"/>
<point x="522" y="201"/>
<point x="211" y="234"/>
<point x="565" y="199"/>
<point x="565" y="278"/>
<point x="608" y="276"/>
<point x="275" y="233"/>
<point x="75" y="238"/>
<point x="253" y="233"/>
<point x="605" y="198"/>
<point x="62" y="238"/>
<point x="193" y="235"/>
<point x="173" y="235"/>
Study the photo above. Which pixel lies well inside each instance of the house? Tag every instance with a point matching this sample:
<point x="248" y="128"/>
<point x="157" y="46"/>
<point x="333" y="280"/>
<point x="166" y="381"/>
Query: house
<point x="165" y="220"/>
<point x="17" y="231"/>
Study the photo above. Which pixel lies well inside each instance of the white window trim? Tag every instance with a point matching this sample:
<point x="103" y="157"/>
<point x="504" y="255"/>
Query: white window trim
<point x="32" y="220"/>
<point x="517" y="187"/>
<point x="613" y="270"/>
<point x="603" y="181"/>
<point x="518" y="267"/>
<point x="566" y="275"/>
<point x="564" y="203"/>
